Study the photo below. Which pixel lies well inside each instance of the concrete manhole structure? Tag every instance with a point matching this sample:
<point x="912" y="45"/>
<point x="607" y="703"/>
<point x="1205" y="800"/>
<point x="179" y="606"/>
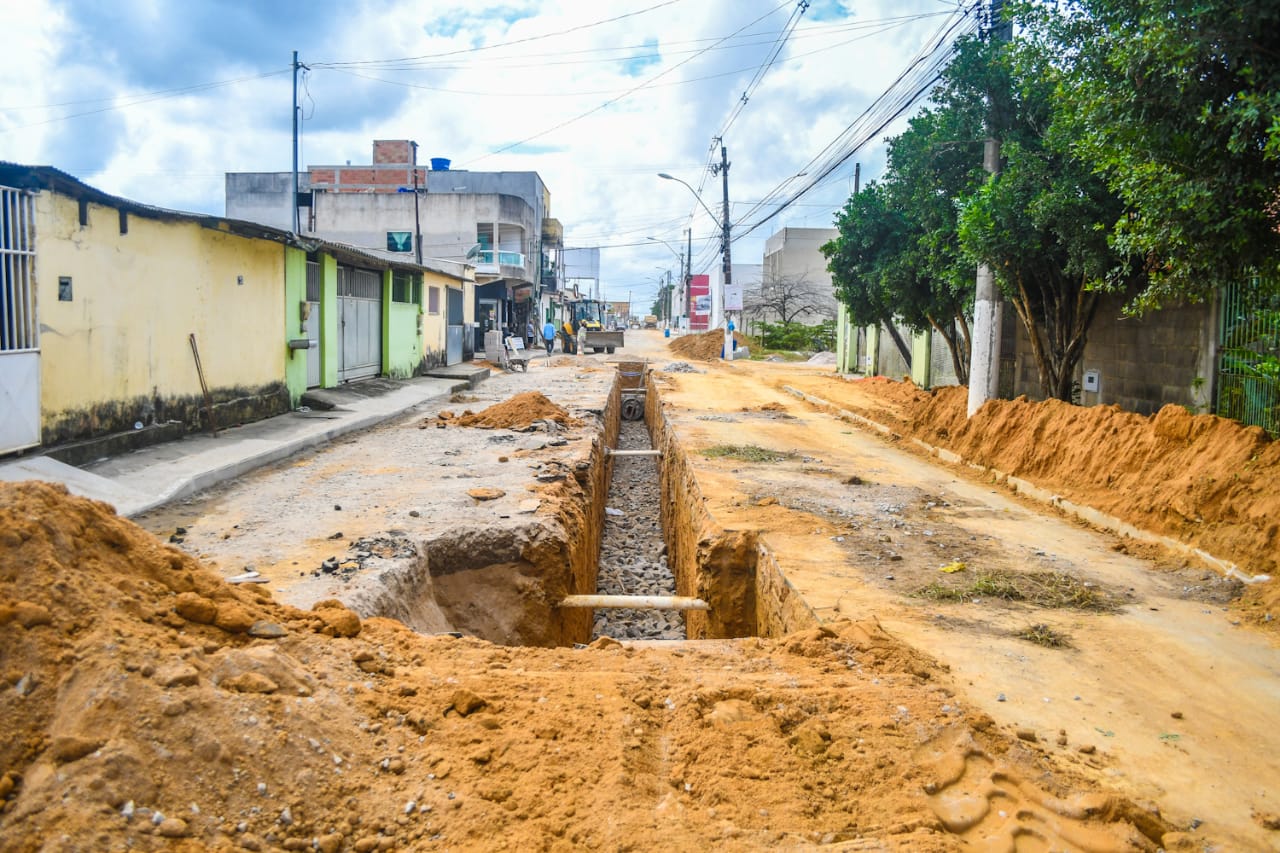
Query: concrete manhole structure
<point x="625" y="548"/>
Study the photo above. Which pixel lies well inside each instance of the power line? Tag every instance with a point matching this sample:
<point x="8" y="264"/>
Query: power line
<point x="624" y="95"/>
<point x="580" y="27"/>
<point x="146" y="98"/>
<point x="917" y="79"/>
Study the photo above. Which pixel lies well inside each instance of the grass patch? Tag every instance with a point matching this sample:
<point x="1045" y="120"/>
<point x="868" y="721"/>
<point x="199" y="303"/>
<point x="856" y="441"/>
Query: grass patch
<point x="1043" y="635"/>
<point x="745" y="453"/>
<point x="1043" y="589"/>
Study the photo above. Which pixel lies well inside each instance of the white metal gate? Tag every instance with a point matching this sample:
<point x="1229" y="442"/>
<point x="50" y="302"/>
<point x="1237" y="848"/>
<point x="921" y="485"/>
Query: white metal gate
<point x="360" y="323"/>
<point x="19" y="325"/>
<point x="312" y="326"/>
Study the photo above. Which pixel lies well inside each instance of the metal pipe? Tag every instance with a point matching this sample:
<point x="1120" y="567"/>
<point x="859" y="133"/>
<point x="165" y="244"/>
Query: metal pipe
<point x="636" y="602"/>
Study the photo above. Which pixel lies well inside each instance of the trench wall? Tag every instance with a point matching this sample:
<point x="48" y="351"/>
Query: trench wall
<point x="504" y="584"/>
<point x="732" y="570"/>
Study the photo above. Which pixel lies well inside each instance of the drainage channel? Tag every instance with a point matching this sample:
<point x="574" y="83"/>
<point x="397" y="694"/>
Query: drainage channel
<point x="633" y="557"/>
<point x="629" y="550"/>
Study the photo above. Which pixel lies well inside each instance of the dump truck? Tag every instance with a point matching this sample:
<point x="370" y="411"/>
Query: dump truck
<point x="650" y="321"/>
<point x="590" y="314"/>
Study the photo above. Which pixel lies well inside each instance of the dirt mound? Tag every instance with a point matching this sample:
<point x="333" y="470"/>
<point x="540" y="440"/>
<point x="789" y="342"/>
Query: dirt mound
<point x="1207" y="481"/>
<point x="704" y="346"/>
<point x="517" y="412"/>
<point x="147" y="703"/>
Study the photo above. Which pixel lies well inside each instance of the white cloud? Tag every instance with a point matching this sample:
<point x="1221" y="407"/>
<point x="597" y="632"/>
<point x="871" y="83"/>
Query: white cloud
<point x="597" y="148"/>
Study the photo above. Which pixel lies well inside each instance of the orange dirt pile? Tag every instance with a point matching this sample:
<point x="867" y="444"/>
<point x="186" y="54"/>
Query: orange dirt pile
<point x="1207" y="481"/>
<point x="704" y="346"/>
<point x="517" y="412"/>
<point x="147" y="705"/>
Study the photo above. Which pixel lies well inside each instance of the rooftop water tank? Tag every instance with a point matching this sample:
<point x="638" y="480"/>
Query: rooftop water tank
<point x="439" y="164"/>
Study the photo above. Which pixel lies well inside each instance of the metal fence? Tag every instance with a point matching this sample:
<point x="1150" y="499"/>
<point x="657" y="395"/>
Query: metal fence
<point x="1248" y="388"/>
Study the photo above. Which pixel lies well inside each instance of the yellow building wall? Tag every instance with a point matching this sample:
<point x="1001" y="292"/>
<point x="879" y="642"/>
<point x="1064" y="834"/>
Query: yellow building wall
<point x="121" y="344"/>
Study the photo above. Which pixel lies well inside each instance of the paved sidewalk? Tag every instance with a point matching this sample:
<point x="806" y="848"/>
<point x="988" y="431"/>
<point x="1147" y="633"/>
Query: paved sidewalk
<point x="145" y="479"/>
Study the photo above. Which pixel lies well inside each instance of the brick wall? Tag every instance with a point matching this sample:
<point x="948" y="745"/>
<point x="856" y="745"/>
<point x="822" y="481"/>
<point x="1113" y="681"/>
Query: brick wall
<point x="392" y="151"/>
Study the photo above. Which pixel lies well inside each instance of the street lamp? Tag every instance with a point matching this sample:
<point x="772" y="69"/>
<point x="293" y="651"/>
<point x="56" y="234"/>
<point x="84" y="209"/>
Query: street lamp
<point x="684" y="272"/>
<point x="721" y="168"/>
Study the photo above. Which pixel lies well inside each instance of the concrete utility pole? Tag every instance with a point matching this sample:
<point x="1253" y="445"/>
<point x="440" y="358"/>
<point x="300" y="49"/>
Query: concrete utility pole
<point x="688" y="275"/>
<point x="984" y="360"/>
<point x="722" y="168"/>
<point x="294" y="217"/>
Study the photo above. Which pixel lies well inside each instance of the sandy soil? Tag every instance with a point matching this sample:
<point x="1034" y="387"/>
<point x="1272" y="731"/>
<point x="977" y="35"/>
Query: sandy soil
<point x="150" y="705"/>
<point x="1164" y="683"/>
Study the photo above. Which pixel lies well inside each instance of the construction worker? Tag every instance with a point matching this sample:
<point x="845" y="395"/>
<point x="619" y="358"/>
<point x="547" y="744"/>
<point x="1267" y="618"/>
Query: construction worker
<point x="566" y="333"/>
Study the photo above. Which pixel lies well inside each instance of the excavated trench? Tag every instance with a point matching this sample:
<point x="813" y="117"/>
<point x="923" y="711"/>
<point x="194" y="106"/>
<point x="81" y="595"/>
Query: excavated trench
<point x="630" y="524"/>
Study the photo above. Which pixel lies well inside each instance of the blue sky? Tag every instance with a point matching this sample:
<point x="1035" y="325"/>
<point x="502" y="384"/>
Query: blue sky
<point x="156" y="99"/>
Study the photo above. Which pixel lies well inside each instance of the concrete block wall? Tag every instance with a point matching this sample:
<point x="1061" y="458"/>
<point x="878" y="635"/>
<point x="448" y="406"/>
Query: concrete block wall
<point x="1143" y="363"/>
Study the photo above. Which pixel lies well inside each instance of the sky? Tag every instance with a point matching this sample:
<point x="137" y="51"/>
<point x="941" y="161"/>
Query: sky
<point x="155" y="100"/>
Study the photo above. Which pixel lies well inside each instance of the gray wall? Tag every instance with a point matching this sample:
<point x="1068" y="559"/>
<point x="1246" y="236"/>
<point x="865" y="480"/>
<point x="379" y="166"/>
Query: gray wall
<point x="1143" y="363"/>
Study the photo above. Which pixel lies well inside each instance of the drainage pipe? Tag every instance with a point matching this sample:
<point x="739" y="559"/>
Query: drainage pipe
<point x="612" y="452"/>
<point x="636" y="602"/>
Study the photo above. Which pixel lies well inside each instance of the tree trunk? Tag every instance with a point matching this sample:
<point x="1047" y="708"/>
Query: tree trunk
<point x="959" y="362"/>
<point x="1059" y="336"/>
<point x="897" y="339"/>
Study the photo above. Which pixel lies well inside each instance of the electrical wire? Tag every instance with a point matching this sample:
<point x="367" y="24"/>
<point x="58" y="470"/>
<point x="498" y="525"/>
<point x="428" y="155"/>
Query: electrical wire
<point x="613" y="101"/>
<point x="882" y="28"/>
<point x="579" y="28"/>
<point x="764" y="67"/>
<point x="146" y="98"/>
<point x="913" y="83"/>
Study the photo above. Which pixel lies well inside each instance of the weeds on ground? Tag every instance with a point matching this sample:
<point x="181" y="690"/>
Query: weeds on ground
<point x="1043" y="589"/>
<point x="745" y="453"/>
<point x="1043" y="635"/>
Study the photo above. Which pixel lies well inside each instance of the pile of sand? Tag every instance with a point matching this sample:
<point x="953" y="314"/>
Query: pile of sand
<point x="517" y="412"/>
<point x="705" y="346"/>
<point x="148" y="705"/>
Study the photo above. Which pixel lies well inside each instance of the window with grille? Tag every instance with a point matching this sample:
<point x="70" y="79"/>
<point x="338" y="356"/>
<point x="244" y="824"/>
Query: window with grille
<point x="402" y="286"/>
<point x="433" y="300"/>
<point x="19" y="329"/>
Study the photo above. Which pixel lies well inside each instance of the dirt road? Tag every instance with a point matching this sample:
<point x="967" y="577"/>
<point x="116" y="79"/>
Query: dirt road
<point x="1138" y="687"/>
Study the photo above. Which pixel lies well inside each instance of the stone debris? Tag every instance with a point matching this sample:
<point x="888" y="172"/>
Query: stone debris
<point x="365" y="553"/>
<point x="632" y="554"/>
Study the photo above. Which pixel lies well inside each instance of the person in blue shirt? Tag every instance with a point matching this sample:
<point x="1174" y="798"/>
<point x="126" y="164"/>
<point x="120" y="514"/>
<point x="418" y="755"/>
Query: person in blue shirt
<point x="549" y="336"/>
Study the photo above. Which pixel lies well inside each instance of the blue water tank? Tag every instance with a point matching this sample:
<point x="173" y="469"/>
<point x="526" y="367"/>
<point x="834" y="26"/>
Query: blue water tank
<point x="440" y="164"/>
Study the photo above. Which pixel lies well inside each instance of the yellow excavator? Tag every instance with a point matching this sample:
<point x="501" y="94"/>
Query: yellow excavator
<point x="589" y="314"/>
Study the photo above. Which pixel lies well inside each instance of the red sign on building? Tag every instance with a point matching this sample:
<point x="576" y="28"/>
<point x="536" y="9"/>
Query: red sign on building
<point x="699" y="303"/>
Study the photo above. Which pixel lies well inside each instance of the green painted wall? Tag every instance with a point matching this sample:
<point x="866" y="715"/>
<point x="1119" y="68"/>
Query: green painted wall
<point x="295" y="293"/>
<point x="402" y="341"/>
<point x="330" y="338"/>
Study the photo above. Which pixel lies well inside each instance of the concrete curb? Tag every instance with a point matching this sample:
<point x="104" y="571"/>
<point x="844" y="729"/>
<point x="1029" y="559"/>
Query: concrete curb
<point x="206" y="479"/>
<point x="1087" y="514"/>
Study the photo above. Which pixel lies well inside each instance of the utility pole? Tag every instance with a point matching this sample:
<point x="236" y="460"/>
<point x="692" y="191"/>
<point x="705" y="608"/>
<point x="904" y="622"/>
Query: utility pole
<point x="984" y="360"/>
<point x="722" y="169"/>
<point x="294" y="217"/>
<point x="688" y="274"/>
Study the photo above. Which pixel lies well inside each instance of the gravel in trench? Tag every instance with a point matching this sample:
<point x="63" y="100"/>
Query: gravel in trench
<point x="633" y="558"/>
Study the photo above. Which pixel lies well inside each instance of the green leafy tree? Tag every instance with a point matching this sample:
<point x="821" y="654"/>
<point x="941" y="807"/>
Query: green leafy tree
<point x="871" y="237"/>
<point x="1041" y="223"/>
<point x="1177" y="104"/>
<point x="936" y="161"/>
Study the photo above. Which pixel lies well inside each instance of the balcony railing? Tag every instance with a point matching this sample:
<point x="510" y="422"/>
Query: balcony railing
<point x="488" y="257"/>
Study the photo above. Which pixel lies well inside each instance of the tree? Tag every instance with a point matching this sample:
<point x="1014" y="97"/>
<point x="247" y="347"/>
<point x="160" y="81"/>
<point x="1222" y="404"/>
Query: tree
<point x="788" y="298"/>
<point x="1176" y="103"/>
<point x="936" y="161"/>
<point x="1040" y="224"/>
<point x="871" y="235"/>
